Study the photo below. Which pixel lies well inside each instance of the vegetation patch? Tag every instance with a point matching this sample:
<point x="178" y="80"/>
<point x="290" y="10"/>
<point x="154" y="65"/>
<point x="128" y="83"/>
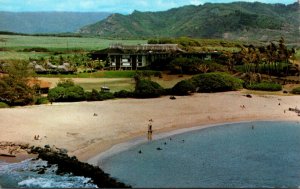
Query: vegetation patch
<point x="14" y="88"/>
<point x="265" y="86"/>
<point x="41" y="100"/>
<point x="147" y="89"/>
<point x="98" y="96"/>
<point x="66" y="91"/>
<point x="3" y="105"/>
<point x="124" y="94"/>
<point x="216" y="82"/>
<point x="184" y="87"/>
<point x="296" y="90"/>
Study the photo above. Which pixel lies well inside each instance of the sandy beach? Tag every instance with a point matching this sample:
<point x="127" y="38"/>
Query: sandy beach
<point x="86" y="129"/>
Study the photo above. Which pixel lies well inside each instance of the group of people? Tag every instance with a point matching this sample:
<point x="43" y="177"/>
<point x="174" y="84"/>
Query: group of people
<point x="36" y="137"/>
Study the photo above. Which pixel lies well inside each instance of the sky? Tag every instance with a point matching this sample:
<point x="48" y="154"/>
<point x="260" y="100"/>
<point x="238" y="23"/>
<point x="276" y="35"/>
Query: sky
<point x="112" y="6"/>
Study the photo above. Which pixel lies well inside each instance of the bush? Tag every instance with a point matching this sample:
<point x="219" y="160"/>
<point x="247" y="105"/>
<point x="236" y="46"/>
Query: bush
<point x="3" y="105"/>
<point x="123" y="94"/>
<point x="74" y="93"/>
<point x="296" y="90"/>
<point x="42" y="100"/>
<point x="98" y="96"/>
<point x="216" y="82"/>
<point x="167" y="91"/>
<point x="106" y="95"/>
<point x="265" y="86"/>
<point x="184" y="87"/>
<point x="147" y="89"/>
<point x="92" y="96"/>
<point x="68" y="94"/>
<point x="56" y="94"/>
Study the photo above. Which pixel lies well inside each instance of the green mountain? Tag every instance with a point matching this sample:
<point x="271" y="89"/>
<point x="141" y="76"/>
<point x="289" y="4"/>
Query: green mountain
<point x="47" y="22"/>
<point x="238" y="20"/>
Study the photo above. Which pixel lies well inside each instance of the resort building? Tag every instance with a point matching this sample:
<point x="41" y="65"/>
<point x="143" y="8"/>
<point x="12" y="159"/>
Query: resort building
<point x="133" y="57"/>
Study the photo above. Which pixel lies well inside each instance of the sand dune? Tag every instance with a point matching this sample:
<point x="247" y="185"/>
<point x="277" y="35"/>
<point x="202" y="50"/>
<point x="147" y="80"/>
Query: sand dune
<point x="73" y="125"/>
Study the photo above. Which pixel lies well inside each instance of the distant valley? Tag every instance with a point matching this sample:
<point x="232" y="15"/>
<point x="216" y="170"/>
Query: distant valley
<point x="47" y="22"/>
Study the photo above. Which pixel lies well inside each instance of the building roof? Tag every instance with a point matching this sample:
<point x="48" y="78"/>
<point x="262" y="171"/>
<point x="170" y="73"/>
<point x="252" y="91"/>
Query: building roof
<point x="140" y="49"/>
<point x="147" y="47"/>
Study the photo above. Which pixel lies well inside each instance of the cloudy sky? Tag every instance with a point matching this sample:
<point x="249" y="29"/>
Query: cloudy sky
<point x="120" y="6"/>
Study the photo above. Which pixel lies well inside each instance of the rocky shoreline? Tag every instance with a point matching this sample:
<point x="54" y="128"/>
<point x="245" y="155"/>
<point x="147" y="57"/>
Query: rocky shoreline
<point x="65" y="164"/>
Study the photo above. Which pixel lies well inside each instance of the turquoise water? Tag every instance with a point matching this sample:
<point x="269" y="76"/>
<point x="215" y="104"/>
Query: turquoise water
<point x="232" y="155"/>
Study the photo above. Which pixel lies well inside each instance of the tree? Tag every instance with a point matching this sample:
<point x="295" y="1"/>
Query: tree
<point x="229" y="58"/>
<point x="15" y="88"/>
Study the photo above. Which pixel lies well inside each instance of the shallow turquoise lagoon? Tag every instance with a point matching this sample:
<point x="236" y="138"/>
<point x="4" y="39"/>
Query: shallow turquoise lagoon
<point x="231" y="155"/>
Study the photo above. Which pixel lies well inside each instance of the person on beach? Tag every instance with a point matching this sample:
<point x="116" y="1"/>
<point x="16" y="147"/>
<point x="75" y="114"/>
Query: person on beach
<point x="150" y="131"/>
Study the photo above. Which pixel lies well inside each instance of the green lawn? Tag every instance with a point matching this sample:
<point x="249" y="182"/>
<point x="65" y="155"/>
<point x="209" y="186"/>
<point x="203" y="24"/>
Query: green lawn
<point x="17" y="42"/>
<point x="114" y="85"/>
<point x="12" y="45"/>
<point x="9" y="55"/>
<point x="99" y="74"/>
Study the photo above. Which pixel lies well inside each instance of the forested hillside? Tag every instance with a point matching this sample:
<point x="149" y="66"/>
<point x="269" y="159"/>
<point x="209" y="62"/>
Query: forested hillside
<point x="238" y="20"/>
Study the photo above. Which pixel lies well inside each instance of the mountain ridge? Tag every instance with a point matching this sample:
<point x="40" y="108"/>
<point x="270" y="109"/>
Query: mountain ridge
<point x="235" y="20"/>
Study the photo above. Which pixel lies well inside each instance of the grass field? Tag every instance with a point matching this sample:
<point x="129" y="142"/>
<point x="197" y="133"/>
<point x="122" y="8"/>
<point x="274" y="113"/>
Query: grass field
<point x="98" y="74"/>
<point x="11" y="45"/>
<point x="117" y="83"/>
<point x="17" y="42"/>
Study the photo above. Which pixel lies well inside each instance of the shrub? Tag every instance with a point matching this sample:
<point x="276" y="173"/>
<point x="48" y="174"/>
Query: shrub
<point x="42" y="100"/>
<point x="296" y="90"/>
<point x="74" y="93"/>
<point x="216" y="82"/>
<point x="184" y="87"/>
<point x="92" y="96"/>
<point x="167" y="91"/>
<point x="265" y="86"/>
<point x="106" y="95"/>
<point x="95" y="95"/>
<point x="147" y="89"/>
<point x="69" y="94"/>
<point x="123" y="94"/>
<point x="3" y="105"/>
<point x="56" y="94"/>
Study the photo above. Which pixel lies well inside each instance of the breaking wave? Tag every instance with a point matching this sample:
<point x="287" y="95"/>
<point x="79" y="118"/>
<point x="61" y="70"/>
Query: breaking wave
<point x="27" y="174"/>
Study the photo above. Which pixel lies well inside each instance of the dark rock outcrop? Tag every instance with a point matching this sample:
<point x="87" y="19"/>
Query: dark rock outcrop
<point x="72" y="165"/>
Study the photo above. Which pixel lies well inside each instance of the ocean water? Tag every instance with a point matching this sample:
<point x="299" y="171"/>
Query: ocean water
<point x="24" y="175"/>
<point x="232" y="155"/>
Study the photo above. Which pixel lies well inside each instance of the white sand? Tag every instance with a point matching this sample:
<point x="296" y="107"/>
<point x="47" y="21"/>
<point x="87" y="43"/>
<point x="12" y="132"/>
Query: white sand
<point x="73" y="126"/>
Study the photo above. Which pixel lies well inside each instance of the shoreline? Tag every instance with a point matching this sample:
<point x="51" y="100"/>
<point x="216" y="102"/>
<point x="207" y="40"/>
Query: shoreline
<point x="73" y="127"/>
<point x="126" y="145"/>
